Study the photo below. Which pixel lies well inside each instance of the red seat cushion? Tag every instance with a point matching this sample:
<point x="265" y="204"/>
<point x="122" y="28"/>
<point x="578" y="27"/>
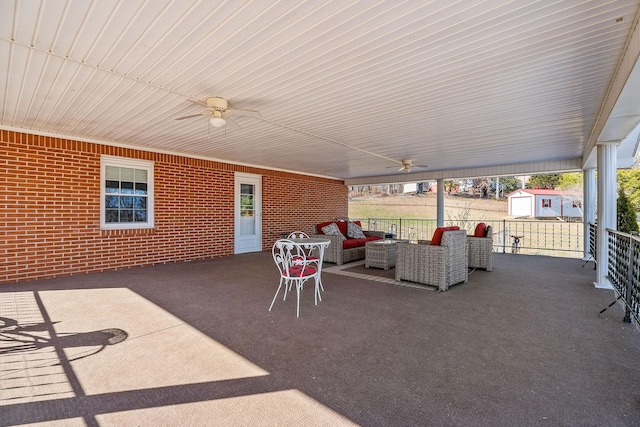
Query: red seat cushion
<point x="353" y="243"/>
<point x="301" y="270"/>
<point x="481" y="230"/>
<point x="437" y="235"/>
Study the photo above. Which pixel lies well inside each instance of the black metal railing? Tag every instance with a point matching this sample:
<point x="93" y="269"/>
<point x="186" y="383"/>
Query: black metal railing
<point x="537" y="237"/>
<point x="624" y="270"/>
<point x="593" y="235"/>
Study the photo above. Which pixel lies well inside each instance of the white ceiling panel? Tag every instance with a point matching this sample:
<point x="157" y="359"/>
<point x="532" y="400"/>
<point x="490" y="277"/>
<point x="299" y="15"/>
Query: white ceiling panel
<point x="345" y="89"/>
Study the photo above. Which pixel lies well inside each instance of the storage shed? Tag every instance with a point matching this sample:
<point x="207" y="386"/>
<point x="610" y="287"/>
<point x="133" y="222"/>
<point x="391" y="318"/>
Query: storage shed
<point x="543" y="203"/>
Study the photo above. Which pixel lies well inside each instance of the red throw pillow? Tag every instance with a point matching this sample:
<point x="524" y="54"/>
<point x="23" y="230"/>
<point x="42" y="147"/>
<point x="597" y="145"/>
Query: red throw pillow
<point x="342" y="226"/>
<point x="436" y="240"/>
<point x="481" y="230"/>
<point x="437" y="236"/>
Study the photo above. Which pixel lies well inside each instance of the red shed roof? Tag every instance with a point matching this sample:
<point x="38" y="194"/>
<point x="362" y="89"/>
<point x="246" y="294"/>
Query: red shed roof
<point x="539" y="191"/>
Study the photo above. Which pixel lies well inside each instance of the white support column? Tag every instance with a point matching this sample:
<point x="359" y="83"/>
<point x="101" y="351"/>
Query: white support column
<point x="440" y="203"/>
<point x="607" y="167"/>
<point x="588" y="206"/>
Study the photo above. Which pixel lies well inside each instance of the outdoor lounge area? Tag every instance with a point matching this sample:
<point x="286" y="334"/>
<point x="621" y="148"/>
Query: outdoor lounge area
<point x="154" y="152"/>
<point x="194" y="344"/>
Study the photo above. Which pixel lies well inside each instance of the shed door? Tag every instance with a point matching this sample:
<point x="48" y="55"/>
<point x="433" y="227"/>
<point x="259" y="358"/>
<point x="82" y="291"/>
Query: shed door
<point x="521" y="206"/>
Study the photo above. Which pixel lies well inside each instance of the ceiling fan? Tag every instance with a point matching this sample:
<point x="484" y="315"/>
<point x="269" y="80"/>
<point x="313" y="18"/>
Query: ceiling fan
<point x="407" y="165"/>
<point x="218" y="112"/>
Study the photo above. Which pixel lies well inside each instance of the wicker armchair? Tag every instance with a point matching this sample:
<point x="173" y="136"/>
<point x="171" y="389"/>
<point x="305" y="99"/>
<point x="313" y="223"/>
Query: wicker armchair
<point x="441" y="266"/>
<point x="480" y="252"/>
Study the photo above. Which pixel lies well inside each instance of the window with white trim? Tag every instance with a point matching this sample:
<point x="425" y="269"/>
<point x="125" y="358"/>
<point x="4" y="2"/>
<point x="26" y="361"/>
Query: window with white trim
<point x="546" y="203"/>
<point x="126" y="193"/>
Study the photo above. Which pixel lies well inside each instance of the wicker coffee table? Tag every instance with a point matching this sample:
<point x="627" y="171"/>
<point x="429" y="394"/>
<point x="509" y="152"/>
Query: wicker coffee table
<point x="381" y="253"/>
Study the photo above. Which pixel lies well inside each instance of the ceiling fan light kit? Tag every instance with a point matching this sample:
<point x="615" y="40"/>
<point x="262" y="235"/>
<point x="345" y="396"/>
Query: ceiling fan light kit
<point x="216" y="120"/>
<point x="217" y="106"/>
<point x="218" y="109"/>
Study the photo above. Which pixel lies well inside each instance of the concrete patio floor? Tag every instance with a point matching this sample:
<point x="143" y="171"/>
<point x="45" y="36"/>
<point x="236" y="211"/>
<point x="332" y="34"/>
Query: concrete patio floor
<point x="192" y="344"/>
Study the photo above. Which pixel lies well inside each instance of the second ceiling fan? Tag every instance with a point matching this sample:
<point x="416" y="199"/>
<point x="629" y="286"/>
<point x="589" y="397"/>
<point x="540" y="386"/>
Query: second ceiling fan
<point x="407" y="165"/>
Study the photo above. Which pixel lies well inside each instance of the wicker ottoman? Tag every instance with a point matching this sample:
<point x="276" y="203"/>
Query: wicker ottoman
<point x="381" y="253"/>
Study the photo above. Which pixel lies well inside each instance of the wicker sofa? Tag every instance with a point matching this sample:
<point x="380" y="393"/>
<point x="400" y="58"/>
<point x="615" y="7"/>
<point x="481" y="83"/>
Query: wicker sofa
<point x="342" y="250"/>
<point x="440" y="265"/>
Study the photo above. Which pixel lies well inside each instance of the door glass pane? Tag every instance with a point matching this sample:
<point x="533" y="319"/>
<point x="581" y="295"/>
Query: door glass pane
<point x="247" y="210"/>
<point x="247" y="226"/>
<point x="246" y="205"/>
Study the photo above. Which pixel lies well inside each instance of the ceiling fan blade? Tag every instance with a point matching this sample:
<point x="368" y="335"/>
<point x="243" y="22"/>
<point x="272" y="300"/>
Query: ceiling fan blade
<point x="249" y="113"/>
<point x="197" y="101"/>
<point x="231" y="124"/>
<point x="192" y="116"/>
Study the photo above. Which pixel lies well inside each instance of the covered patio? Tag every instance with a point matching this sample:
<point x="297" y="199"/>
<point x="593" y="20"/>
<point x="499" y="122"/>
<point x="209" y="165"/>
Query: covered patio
<point x="154" y="151"/>
<point x="193" y="344"/>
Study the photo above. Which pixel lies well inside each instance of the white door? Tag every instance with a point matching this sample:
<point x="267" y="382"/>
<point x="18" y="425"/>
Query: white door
<point x="248" y="213"/>
<point x="520" y="206"/>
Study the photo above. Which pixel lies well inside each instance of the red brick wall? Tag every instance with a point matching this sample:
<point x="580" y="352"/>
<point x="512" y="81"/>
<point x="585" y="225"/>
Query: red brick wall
<point x="50" y="208"/>
<point x="306" y="202"/>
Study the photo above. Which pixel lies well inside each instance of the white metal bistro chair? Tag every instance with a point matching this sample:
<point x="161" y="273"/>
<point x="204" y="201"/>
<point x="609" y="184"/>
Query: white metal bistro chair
<point x="294" y="268"/>
<point x="298" y="235"/>
<point x="303" y="235"/>
<point x="311" y="257"/>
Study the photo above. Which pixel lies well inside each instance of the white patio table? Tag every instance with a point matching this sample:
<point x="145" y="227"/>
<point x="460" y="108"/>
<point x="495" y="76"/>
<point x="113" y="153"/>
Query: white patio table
<point x="312" y="243"/>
